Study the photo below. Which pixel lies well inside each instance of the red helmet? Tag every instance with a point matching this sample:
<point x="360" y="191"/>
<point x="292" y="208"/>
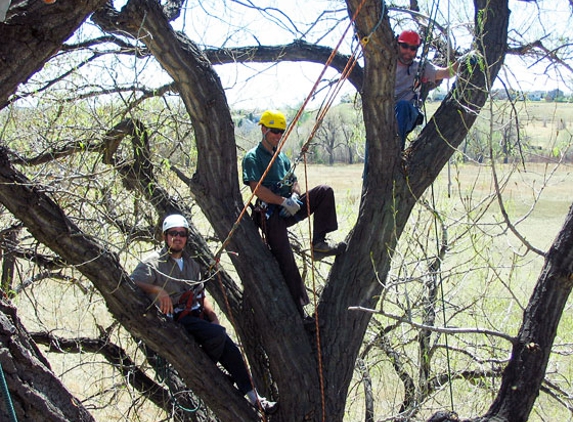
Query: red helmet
<point x="410" y="37"/>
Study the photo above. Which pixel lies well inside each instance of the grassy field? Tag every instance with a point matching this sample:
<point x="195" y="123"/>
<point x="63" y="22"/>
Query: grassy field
<point x="546" y="125"/>
<point x="458" y="182"/>
<point x="488" y="277"/>
<point x="489" y="267"/>
<point x="492" y="265"/>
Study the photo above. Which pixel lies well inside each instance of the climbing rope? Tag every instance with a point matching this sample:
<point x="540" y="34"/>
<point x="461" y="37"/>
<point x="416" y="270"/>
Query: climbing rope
<point x="437" y="273"/>
<point x="163" y="371"/>
<point x="417" y="86"/>
<point x="287" y="133"/>
<point x="440" y="249"/>
<point x="7" y="397"/>
<point x="348" y="69"/>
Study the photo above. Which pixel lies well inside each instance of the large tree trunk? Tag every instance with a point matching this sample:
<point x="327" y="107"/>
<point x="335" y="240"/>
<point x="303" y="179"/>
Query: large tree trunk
<point x="33" y="35"/>
<point x="394" y="182"/>
<point x="47" y="223"/>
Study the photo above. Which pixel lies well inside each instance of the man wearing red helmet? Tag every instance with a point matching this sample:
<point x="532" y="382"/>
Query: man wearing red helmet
<point x="405" y="91"/>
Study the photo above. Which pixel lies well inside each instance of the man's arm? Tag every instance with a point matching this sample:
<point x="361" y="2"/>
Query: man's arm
<point x="161" y="297"/>
<point x="265" y="194"/>
<point x="447" y="72"/>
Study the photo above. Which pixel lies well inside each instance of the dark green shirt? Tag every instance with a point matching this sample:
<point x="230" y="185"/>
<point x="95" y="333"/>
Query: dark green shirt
<point x="256" y="161"/>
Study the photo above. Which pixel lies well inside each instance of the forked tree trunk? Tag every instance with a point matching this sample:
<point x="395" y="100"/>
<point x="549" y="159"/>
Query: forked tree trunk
<point x="525" y="372"/>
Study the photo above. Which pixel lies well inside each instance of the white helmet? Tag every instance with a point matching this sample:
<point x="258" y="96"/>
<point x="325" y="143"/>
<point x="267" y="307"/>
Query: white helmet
<point x="174" y="220"/>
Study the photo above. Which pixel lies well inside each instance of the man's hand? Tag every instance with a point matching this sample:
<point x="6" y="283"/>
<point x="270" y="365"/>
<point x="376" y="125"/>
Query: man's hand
<point x="164" y="301"/>
<point x="160" y="296"/>
<point x="290" y="206"/>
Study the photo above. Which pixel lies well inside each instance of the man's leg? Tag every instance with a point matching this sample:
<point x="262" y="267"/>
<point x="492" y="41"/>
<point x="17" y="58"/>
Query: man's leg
<point x="277" y="239"/>
<point x="211" y="337"/>
<point x="406" y="116"/>
<point x="232" y="360"/>
<point x="220" y="348"/>
<point x="323" y="206"/>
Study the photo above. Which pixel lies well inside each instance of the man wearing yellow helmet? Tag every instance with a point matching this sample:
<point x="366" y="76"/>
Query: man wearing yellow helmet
<point x="282" y="204"/>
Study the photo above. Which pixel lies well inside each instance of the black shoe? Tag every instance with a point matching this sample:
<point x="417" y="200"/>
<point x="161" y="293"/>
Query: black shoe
<point x="324" y="249"/>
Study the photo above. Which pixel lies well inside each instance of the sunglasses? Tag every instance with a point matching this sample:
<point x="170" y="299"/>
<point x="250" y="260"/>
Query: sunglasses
<point x="276" y="131"/>
<point x="175" y="233"/>
<point x="408" y="46"/>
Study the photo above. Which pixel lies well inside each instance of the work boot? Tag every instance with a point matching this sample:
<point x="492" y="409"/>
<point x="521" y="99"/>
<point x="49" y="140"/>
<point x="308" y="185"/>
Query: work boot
<point x="324" y="248"/>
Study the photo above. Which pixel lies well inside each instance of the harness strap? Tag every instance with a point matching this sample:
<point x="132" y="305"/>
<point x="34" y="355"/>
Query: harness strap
<point x="186" y="302"/>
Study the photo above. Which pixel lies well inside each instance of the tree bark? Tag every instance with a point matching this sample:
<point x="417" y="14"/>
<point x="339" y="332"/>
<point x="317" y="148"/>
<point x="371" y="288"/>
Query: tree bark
<point x="47" y="223"/>
<point x="34" y="391"/>
<point x="33" y="34"/>
<point x="525" y="372"/>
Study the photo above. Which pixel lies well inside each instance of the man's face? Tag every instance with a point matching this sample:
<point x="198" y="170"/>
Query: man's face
<point x="176" y="238"/>
<point x="407" y="53"/>
<point x="272" y="136"/>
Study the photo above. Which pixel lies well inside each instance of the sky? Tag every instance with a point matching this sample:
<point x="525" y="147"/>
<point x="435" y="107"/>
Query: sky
<point x="233" y="23"/>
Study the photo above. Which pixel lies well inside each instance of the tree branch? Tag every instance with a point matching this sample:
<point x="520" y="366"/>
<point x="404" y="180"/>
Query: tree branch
<point x="444" y="330"/>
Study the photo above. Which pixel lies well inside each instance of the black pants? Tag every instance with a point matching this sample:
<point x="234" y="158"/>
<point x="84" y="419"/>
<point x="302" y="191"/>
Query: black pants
<point x="220" y="348"/>
<point x="323" y="207"/>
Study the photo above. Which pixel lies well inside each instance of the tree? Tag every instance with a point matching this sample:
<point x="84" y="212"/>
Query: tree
<point x="312" y="382"/>
<point x="336" y="136"/>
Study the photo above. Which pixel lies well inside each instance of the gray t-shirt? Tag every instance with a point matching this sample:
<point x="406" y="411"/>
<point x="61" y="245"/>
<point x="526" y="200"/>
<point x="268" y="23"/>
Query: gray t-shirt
<point x="405" y="79"/>
<point x="161" y="269"/>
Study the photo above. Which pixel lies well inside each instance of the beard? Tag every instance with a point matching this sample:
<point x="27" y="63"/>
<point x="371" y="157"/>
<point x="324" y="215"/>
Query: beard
<point x="406" y="61"/>
<point x="173" y="248"/>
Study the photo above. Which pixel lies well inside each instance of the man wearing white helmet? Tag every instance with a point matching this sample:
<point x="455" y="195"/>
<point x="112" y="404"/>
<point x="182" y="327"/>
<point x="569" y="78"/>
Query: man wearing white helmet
<point x="282" y="204"/>
<point x="172" y="279"/>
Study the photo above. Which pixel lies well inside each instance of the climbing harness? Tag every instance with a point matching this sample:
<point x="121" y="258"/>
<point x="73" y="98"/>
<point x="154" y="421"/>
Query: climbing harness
<point x="185" y="305"/>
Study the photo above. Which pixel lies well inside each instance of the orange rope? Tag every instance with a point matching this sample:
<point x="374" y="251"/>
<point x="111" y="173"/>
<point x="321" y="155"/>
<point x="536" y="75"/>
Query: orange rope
<point x="347" y="70"/>
<point x="291" y="126"/>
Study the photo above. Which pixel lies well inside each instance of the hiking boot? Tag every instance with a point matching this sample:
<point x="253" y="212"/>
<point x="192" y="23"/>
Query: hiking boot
<point x="324" y="248"/>
<point x="269" y="407"/>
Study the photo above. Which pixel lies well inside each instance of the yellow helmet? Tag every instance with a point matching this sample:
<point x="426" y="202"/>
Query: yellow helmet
<point x="273" y="119"/>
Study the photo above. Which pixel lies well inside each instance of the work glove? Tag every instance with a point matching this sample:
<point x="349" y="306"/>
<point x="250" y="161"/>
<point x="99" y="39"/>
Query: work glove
<point x="290" y="206"/>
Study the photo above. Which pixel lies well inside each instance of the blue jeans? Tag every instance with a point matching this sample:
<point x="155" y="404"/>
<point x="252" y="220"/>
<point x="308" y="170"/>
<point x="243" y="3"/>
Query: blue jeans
<point x="407" y="116"/>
